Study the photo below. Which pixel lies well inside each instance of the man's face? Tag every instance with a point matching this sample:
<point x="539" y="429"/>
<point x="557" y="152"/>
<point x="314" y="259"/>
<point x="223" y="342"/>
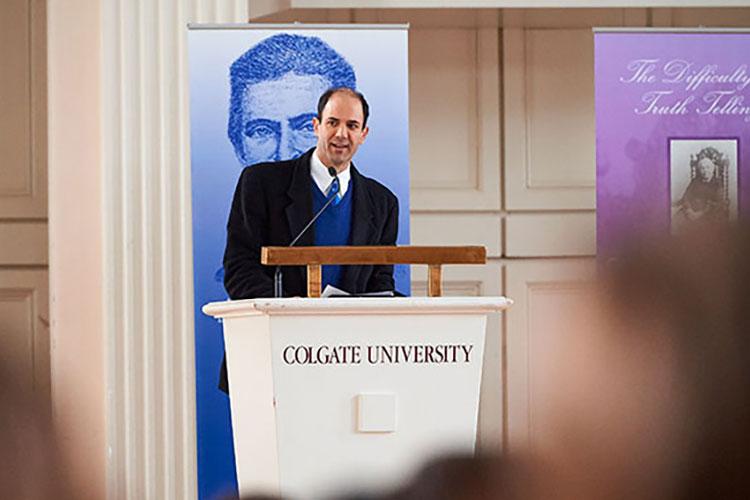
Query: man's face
<point x="706" y="169"/>
<point x="340" y="130"/>
<point x="277" y="117"/>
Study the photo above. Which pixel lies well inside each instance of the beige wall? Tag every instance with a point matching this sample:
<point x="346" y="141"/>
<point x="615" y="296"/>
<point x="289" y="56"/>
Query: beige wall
<point x="75" y="233"/>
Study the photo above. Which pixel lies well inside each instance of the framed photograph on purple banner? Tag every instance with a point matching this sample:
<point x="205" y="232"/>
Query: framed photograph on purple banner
<point x="703" y="181"/>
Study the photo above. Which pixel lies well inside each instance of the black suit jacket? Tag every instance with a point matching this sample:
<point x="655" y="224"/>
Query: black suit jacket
<point x="271" y="205"/>
<point x="273" y="202"/>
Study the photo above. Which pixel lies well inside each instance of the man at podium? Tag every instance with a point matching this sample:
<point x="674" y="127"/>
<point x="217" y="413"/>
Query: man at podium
<point x="274" y="201"/>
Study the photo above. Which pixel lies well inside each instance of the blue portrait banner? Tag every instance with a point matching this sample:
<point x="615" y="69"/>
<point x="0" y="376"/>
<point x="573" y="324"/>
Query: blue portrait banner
<point x="253" y="94"/>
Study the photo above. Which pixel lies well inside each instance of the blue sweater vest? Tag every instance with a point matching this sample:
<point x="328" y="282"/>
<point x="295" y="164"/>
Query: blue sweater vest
<point x="333" y="228"/>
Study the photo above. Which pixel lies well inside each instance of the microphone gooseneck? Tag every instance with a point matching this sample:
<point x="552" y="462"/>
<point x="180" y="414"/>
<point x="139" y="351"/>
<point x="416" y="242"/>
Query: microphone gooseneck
<point x="278" y="285"/>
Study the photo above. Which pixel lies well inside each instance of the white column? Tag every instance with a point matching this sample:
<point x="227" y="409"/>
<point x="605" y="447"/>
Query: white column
<point x="147" y="243"/>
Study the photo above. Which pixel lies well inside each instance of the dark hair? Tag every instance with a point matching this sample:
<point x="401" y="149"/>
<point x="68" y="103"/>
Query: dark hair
<point x="274" y="57"/>
<point x="345" y="90"/>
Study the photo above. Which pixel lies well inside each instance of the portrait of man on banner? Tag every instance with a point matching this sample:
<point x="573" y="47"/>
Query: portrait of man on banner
<point x="275" y="86"/>
<point x="274" y="91"/>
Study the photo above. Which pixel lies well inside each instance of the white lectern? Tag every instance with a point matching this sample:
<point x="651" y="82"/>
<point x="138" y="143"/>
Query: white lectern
<point x="350" y="393"/>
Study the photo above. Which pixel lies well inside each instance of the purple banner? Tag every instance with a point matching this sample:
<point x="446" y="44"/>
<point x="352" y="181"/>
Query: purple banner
<point x="672" y="131"/>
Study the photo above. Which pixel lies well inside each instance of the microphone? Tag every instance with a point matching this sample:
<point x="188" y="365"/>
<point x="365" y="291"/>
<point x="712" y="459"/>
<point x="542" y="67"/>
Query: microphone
<point x="278" y="284"/>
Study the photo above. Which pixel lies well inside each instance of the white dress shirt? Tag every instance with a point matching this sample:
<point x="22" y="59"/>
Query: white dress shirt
<point x="323" y="179"/>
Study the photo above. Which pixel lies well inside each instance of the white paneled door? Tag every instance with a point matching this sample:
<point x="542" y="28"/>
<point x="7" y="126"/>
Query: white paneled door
<point x="24" y="303"/>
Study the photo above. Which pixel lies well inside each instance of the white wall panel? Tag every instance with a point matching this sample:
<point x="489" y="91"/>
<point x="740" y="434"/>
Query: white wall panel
<point x="23" y="152"/>
<point x="560" y="109"/>
<point x="444" y="137"/>
<point x="458" y="229"/>
<point x="23" y="243"/>
<point x="260" y="8"/>
<point x="24" y="326"/>
<point x="16" y="174"/>
<point x="454" y="119"/>
<point x="549" y="119"/>
<point x="546" y="295"/>
<point x="148" y="266"/>
<point x="556" y="234"/>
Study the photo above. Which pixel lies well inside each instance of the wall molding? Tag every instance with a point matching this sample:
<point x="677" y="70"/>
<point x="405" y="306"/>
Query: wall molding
<point x="435" y="228"/>
<point x="556" y="234"/>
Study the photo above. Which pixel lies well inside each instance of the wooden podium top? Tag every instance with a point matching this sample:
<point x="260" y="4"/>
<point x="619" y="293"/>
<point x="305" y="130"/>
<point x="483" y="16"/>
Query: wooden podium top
<point x="314" y="257"/>
<point x="373" y="255"/>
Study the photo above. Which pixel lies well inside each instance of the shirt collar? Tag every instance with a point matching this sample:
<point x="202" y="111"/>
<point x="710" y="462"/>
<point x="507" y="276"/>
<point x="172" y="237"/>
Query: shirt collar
<point x="322" y="178"/>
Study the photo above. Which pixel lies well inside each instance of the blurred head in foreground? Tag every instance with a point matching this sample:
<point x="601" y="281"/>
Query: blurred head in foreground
<point x="464" y="477"/>
<point x="650" y="395"/>
<point x="653" y="400"/>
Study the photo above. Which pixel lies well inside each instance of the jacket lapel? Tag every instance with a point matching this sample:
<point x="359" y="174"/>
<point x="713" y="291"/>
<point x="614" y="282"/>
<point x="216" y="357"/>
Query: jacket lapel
<point x="299" y="210"/>
<point x="363" y="227"/>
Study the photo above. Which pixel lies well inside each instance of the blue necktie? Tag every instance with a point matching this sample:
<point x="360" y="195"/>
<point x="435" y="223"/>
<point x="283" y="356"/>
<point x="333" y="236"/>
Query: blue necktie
<point x="334" y="190"/>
